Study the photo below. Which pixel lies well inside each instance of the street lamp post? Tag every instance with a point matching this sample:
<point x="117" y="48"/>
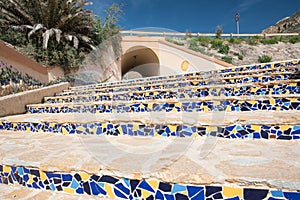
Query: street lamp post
<point x="237" y="18"/>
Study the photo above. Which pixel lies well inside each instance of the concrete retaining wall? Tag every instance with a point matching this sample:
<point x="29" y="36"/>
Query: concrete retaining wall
<point x="16" y="61"/>
<point x="16" y="103"/>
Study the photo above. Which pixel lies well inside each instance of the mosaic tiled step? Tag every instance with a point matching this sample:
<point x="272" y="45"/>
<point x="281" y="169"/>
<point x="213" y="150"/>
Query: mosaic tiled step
<point x="273" y="125"/>
<point x="66" y="185"/>
<point x="228" y="104"/>
<point x="291" y="72"/>
<point x="185" y="92"/>
<point x="288" y="70"/>
<point x="187" y="83"/>
<point x="243" y="69"/>
<point x="249" y="169"/>
<point x="180" y="84"/>
<point x="18" y="191"/>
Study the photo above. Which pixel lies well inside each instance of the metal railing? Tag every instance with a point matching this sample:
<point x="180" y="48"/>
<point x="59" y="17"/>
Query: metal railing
<point x="178" y="34"/>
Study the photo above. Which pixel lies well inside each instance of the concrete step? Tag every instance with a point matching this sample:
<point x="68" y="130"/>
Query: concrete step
<point x="161" y="168"/>
<point x="258" y="77"/>
<point x="268" y="67"/>
<point x="270" y="88"/>
<point x="183" y="83"/>
<point x="211" y="103"/>
<point x="283" y="125"/>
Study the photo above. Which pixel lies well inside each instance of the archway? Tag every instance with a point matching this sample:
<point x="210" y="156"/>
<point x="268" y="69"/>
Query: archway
<point x="140" y="59"/>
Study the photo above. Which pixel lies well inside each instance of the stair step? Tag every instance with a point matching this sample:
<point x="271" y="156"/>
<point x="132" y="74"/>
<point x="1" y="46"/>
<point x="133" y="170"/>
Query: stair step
<point x="117" y="167"/>
<point x="271" y="125"/>
<point x="229" y="104"/>
<point x="243" y="70"/>
<point x="286" y="87"/>
<point x="194" y="81"/>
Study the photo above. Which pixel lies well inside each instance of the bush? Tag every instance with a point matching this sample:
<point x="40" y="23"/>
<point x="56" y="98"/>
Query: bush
<point x="294" y="39"/>
<point x="252" y="41"/>
<point x="227" y="59"/>
<point x="273" y="40"/>
<point x="216" y="44"/>
<point x="235" y="40"/>
<point x="240" y="57"/>
<point x="177" y="42"/>
<point x="264" y="59"/>
<point x="193" y="45"/>
<point x="224" y="49"/>
<point x="204" y="41"/>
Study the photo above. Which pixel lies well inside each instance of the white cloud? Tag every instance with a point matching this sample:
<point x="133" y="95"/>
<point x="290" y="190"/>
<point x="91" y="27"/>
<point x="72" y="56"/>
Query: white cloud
<point x="247" y="4"/>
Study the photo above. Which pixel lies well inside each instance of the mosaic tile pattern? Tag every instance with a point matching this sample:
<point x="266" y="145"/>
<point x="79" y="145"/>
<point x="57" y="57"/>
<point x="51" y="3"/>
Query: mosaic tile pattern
<point x="123" y="188"/>
<point x="272" y="89"/>
<point x="280" y="132"/>
<point x="179" y="83"/>
<point x="275" y="103"/>
<point x="279" y="67"/>
<point x="196" y="75"/>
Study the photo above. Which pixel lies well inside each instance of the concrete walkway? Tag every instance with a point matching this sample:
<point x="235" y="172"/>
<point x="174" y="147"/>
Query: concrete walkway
<point x="186" y="118"/>
<point x="205" y="160"/>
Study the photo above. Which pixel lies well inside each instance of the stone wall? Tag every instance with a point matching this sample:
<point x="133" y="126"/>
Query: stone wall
<point x="16" y="103"/>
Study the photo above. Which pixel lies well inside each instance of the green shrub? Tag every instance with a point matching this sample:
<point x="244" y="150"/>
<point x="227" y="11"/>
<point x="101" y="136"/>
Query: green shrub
<point x="252" y="41"/>
<point x="216" y="43"/>
<point x="227" y="59"/>
<point x="193" y="45"/>
<point x="240" y="57"/>
<point x="177" y="42"/>
<point x="235" y="40"/>
<point x="204" y="41"/>
<point x="294" y="39"/>
<point x="264" y="59"/>
<point x="256" y="37"/>
<point x="273" y="40"/>
<point x="231" y="40"/>
<point x="224" y="49"/>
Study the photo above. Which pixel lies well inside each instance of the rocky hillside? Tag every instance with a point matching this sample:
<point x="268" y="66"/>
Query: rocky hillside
<point x="252" y="53"/>
<point x="286" y="25"/>
<point x="245" y="51"/>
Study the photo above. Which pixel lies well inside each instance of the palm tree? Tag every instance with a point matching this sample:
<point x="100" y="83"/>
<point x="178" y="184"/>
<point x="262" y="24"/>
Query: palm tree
<point x="50" y="19"/>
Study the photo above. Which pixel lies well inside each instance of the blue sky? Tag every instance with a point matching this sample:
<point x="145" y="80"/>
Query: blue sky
<point x="200" y="15"/>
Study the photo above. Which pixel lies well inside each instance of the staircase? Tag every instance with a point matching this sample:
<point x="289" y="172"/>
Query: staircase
<point x="225" y="134"/>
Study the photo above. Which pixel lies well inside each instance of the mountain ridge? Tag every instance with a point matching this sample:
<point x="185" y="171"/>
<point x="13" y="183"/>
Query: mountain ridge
<point x="286" y="25"/>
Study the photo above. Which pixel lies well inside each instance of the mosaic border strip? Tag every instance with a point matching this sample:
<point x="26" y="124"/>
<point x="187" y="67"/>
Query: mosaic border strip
<point x="275" y="103"/>
<point x="280" y="132"/>
<point x="272" y="89"/>
<point x="123" y="188"/>
<point x="294" y="63"/>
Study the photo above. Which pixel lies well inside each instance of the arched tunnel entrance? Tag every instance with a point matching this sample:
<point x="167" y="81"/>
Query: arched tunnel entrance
<point x="139" y="61"/>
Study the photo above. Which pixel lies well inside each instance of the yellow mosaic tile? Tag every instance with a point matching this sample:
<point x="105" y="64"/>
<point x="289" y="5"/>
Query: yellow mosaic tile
<point x="109" y="189"/>
<point x="84" y="176"/>
<point x="69" y="190"/>
<point x="145" y="193"/>
<point x="153" y="184"/>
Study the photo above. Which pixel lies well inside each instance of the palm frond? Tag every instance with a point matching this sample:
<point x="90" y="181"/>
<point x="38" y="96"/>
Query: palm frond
<point x="36" y="28"/>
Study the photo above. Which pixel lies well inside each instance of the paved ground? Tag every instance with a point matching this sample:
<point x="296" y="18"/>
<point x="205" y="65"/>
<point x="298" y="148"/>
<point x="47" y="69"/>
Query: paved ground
<point x="186" y="118"/>
<point x="235" y="162"/>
